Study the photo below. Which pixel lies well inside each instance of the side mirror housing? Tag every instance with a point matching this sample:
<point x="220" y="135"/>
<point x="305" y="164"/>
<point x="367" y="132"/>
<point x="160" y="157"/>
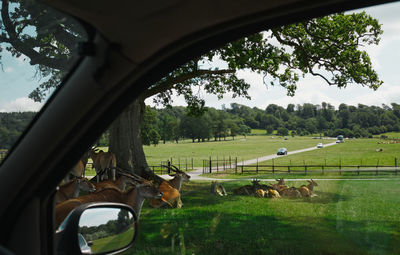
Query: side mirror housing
<point x="97" y="228"/>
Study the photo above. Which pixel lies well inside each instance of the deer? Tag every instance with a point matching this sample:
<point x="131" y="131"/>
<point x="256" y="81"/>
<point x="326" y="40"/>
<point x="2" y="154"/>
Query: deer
<point x="72" y="189"/>
<point x="171" y="189"/>
<point x="119" y="183"/>
<point x="134" y="197"/>
<point x="307" y="191"/>
<point x="78" y="170"/>
<point x="218" y="189"/>
<point x="248" y="189"/>
<point x="102" y="163"/>
<point x="290" y="192"/>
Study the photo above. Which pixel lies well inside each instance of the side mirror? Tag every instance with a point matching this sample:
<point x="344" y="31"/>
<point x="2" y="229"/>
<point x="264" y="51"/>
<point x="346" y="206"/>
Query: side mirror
<point x="97" y="228"/>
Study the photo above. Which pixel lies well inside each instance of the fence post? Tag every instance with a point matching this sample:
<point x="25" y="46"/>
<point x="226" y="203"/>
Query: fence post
<point x="395" y="165"/>
<point x="257" y="167"/>
<point x="192" y="163"/>
<point x="186" y="164"/>
<point x="224" y="163"/>
<point x="358" y="168"/>
<point x="230" y="162"/>
<point x="171" y="161"/>
<point x="210" y="165"/>
<point x="290" y="162"/>
<point x="235" y="165"/>
<point x="305" y="167"/>
<point x="323" y="168"/>
<point x="340" y="166"/>
<point x="273" y="166"/>
<point x="217" y="164"/>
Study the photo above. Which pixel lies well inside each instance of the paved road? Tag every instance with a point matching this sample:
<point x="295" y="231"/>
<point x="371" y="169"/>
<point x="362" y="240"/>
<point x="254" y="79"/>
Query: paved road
<point x="195" y="175"/>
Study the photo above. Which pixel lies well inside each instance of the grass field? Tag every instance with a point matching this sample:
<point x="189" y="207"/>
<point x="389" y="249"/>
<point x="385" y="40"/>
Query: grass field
<point x="347" y="217"/>
<point x="243" y="148"/>
<point x="112" y="242"/>
<point x="351" y="152"/>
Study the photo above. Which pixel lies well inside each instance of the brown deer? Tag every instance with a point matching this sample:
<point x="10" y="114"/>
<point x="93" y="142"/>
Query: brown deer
<point x="307" y="191"/>
<point x="72" y="189"/>
<point x="104" y="163"/>
<point x="119" y="183"/>
<point x="171" y="189"/>
<point x="134" y="197"/>
<point x="248" y="189"/>
<point x="218" y="189"/>
<point x="290" y="192"/>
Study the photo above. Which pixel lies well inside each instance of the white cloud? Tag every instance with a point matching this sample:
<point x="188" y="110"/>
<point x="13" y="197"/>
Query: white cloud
<point x="22" y="104"/>
<point x="9" y="70"/>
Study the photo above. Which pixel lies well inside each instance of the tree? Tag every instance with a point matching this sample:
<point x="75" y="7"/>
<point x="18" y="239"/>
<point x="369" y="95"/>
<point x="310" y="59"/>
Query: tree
<point x="327" y="47"/>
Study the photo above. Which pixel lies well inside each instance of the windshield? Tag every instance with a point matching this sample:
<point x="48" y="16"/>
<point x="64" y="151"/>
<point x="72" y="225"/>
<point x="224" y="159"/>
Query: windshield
<point x="225" y="189"/>
<point x="38" y="47"/>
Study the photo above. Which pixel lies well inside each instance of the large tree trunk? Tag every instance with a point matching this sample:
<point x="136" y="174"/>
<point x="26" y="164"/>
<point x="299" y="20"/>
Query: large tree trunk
<point x="126" y="141"/>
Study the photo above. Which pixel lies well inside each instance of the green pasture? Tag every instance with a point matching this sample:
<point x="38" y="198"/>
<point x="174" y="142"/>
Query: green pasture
<point x="242" y="148"/>
<point x="112" y="242"/>
<point x="347" y="217"/>
<point x="390" y="135"/>
<point x="351" y="152"/>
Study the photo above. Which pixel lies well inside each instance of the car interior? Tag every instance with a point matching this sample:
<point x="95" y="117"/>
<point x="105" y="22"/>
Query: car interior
<point x="130" y="45"/>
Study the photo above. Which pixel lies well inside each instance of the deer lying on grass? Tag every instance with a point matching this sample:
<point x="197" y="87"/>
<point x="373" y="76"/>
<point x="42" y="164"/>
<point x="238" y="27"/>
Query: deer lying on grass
<point x="218" y="189"/>
<point x="72" y="189"/>
<point x="171" y="189"/>
<point x="134" y="197"/>
<point x="248" y="189"/>
<point x="104" y="163"/>
<point x="307" y="191"/>
<point x="290" y="192"/>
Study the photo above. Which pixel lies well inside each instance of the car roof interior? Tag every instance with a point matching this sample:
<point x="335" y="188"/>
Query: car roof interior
<point x="152" y="38"/>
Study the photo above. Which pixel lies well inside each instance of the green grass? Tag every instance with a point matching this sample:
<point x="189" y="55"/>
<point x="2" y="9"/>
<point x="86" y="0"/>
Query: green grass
<point x="347" y="217"/>
<point x="351" y="152"/>
<point x="243" y="148"/>
<point x="258" y="132"/>
<point x="112" y="242"/>
<point x="390" y="135"/>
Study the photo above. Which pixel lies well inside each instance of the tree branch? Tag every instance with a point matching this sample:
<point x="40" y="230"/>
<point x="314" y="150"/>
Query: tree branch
<point x="20" y="46"/>
<point x="169" y="83"/>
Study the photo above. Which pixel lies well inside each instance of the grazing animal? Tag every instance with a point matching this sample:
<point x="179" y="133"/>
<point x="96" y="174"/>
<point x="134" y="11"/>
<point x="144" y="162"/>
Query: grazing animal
<point x="134" y="197"/>
<point x="171" y="189"/>
<point x="280" y="185"/>
<point x="104" y="163"/>
<point x="218" y="189"/>
<point x="72" y="189"/>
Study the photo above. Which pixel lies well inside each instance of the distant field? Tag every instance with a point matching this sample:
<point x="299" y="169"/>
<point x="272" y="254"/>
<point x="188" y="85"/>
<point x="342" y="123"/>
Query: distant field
<point x="243" y="148"/>
<point x="347" y="217"/>
<point x="351" y="152"/>
<point x="259" y="132"/>
<point x="390" y="135"/>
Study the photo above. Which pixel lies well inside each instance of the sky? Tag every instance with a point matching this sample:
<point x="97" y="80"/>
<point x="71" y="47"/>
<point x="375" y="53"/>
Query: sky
<point x="18" y="78"/>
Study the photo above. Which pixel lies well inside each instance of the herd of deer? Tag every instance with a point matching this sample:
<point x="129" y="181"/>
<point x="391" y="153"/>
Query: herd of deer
<point x="128" y="189"/>
<point x="275" y="190"/>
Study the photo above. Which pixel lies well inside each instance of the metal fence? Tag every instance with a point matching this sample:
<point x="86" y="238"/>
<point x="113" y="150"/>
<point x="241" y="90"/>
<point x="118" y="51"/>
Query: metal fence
<point x="214" y="166"/>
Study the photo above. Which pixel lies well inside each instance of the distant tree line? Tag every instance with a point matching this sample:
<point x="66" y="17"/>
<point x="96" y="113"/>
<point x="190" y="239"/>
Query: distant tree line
<point x="12" y="124"/>
<point x="175" y="123"/>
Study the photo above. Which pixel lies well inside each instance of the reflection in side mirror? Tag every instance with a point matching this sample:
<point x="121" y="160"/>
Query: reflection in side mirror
<point x="103" y="229"/>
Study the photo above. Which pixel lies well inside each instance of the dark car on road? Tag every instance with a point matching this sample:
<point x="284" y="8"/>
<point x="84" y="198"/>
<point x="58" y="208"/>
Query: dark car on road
<point x="282" y="151"/>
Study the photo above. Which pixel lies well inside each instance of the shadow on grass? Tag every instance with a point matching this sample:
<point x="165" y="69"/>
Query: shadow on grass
<point x="205" y="232"/>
